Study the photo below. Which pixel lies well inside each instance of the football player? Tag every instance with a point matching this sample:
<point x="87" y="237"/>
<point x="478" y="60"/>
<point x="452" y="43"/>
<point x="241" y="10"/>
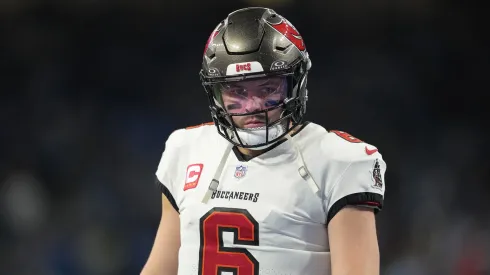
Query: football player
<point x="259" y="190"/>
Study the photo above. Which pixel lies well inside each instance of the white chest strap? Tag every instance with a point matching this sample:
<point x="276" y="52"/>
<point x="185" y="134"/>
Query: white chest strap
<point x="303" y="170"/>
<point x="213" y="185"/>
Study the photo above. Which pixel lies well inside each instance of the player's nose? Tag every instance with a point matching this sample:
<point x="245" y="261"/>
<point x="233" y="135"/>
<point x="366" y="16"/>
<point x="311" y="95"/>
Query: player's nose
<point x="254" y="103"/>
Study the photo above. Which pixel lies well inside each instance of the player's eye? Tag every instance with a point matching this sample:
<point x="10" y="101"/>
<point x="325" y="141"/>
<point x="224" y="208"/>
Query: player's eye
<point x="233" y="106"/>
<point x="272" y="103"/>
<point x="266" y="91"/>
<point x="237" y="91"/>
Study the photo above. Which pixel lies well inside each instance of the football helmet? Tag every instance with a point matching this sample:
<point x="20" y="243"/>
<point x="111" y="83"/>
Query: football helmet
<point x="256" y="44"/>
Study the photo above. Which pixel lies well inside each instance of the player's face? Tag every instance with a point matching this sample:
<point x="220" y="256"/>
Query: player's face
<point x="254" y="95"/>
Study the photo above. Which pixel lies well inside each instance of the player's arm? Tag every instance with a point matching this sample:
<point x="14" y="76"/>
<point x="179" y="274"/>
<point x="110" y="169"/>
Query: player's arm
<point x="353" y="242"/>
<point x="353" y="197"/>
<point x="163" y="259"/>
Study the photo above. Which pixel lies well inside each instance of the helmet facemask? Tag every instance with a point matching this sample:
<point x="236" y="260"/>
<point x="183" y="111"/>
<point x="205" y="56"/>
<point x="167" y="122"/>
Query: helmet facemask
<point x="271" y="101"/>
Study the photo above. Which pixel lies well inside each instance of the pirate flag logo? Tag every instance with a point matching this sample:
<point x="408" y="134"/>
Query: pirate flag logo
<point x="376" y="175"/>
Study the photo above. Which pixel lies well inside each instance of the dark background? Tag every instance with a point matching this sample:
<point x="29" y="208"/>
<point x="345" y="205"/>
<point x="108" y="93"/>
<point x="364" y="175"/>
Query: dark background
<point x="90" y="90"/>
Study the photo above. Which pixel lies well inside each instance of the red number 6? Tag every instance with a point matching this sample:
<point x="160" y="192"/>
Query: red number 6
<point x="214" y="257"/>
<point x="347" y="136"/>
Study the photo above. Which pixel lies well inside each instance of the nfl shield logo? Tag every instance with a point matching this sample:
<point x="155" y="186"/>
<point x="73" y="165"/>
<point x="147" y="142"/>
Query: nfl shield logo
<point x="240" y="171"/>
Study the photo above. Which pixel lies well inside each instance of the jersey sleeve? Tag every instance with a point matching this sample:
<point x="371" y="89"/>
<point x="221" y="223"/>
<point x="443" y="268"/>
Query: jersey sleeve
<point x="166" y="171"/>
<point x="361" y="183"/>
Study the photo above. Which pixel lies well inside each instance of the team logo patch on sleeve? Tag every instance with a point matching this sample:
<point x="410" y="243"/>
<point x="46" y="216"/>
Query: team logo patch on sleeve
<point x="376" y="175"/>
<point x="240" y="171"/>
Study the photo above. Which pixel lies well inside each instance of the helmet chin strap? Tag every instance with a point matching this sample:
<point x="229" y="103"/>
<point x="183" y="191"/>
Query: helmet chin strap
<point x="257" y="136"/>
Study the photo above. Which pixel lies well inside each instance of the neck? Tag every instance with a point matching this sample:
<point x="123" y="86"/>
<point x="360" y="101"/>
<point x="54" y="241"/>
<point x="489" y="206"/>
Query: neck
<point x="253" y="153"/>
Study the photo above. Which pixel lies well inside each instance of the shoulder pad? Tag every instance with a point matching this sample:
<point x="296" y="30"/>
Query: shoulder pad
<point x="183" y="136"/>
<point x="342" y="146"/>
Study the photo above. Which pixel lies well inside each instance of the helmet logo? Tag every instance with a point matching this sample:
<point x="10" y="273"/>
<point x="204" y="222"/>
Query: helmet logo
<point x="243" y="67"/>
<point x="278" y="65"/>
<point x="213" y="72"/>
<point x="212" y="36"/>
<point x="288" y="30"/>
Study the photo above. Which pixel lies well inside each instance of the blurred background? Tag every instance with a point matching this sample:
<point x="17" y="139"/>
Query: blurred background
<point x="91" y="89"/>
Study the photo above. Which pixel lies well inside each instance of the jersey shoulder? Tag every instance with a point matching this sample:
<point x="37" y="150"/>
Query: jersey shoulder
<point x="185" y="145"/>
<point x="336" y="145"/>
<point x="185" y="138"/>
<point x="342" y="164"/>
<point x="180" y="148"/>
<point x="342" y="146"/>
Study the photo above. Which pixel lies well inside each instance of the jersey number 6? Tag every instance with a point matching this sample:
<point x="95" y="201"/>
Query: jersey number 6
<point x="214" y="257"/>
<point x="346" y="136"/>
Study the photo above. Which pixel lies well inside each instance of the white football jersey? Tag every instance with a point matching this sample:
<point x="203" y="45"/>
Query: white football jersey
<point x="264" y="217"/>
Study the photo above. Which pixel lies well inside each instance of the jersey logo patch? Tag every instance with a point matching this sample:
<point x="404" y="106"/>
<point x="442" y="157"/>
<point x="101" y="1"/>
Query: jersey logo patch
<point x="240" y="171"/>
<point x="192" y="175"/>
<point x="370" y="151"/>
<point x="376" y="175"/>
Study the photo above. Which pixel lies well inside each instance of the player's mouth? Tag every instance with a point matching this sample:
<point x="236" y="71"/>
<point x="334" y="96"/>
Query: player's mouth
<point x="254" y="124"/>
